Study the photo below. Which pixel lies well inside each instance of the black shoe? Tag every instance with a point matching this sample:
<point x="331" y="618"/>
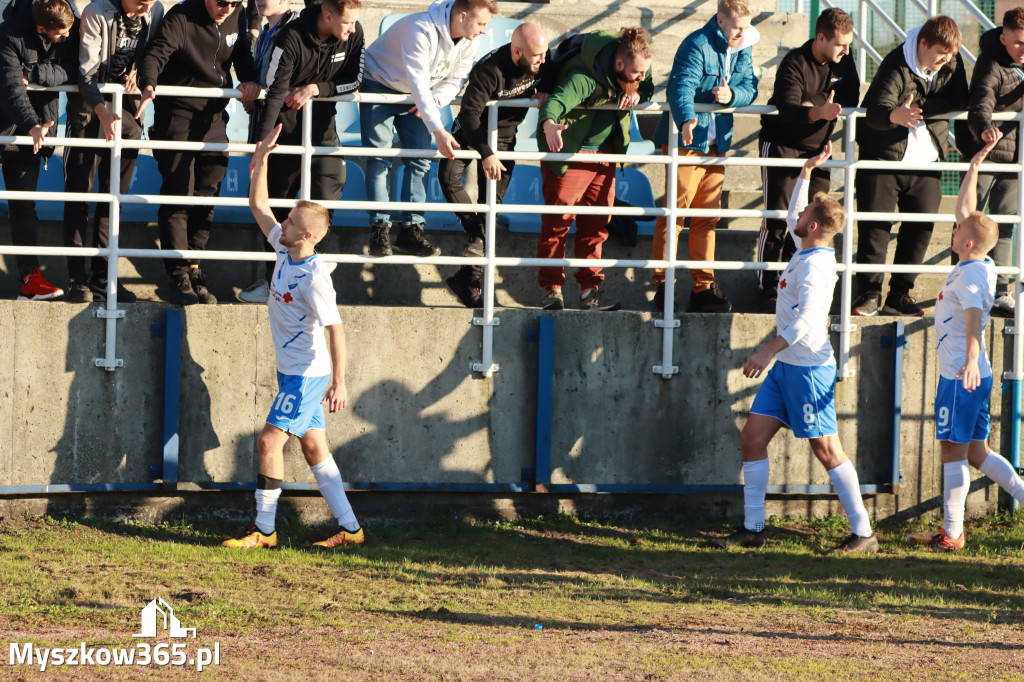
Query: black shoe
<point x="98" y="286"/>
<point x="411" y="241"/>
<point x="711" y="300"/>
<point x="596" y="302"/>
<point x="78" y="292"/>
<point x="199" y="286"/>
<point x="466" y="291"/>
<point x="1004" y="305"/>
<point x="182" y="292"/>
<point x="901" y="303"/>
<point x="867" y="305"/>
<point x="856" y="543"/>
<point x="743" y="538"/>
<point x="380" y="239"/>
<point x="658" y="302"/>
<point x="474" y="248"/>
<point x="553" y="300"/>
<point x="769" y="297"/>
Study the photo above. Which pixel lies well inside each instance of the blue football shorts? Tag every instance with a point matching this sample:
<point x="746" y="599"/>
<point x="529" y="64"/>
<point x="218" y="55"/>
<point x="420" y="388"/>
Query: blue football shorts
<point x="961" y="417"/>
<point x="297" y="407"/>
<point x="802" y="398"/>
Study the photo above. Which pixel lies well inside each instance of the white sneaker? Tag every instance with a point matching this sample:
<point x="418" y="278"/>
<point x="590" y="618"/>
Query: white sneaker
<point x="257" y="292"/>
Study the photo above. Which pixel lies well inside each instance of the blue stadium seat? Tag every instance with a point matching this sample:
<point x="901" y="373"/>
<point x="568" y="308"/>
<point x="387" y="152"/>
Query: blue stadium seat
<point x="637" y="144"/>
<point x="347" y="120"/>
<point x="145" y="180"/>
<point x="355" y="190"/>
<point x="436" y="221"/>
<point x="526" y="135"/>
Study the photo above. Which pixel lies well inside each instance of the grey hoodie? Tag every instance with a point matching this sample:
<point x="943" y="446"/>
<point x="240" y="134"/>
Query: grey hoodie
<point x="417" y="55"/>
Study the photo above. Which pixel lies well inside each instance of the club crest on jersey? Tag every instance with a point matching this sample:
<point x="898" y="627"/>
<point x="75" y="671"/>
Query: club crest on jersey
<point x="231" y="38"/>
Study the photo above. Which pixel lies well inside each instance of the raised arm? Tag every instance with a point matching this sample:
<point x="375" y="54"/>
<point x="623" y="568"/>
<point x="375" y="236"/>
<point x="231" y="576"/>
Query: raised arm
<point x="798" y="200"/>
<point x="967" y="202"/>
<point x="259" y="198"/>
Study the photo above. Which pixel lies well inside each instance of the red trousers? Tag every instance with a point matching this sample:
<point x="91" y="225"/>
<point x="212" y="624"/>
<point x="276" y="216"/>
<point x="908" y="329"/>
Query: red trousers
<point x="584" y="184"/>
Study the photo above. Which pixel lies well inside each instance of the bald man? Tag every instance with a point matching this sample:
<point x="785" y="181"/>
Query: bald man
<point x="512" y="71"/>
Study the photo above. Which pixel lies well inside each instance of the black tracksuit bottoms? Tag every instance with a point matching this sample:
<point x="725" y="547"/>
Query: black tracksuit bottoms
<point x="21" y="174"/>
<point x="885" y="192"/>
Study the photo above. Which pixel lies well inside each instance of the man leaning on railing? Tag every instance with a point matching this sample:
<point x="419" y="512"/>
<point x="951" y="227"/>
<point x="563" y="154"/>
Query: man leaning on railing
<point x="34" y="48"/>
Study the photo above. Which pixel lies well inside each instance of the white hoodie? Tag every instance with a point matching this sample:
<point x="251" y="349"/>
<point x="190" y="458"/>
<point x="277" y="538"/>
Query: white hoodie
<point x="920" y="145"/>
<point x="416" y="55"/>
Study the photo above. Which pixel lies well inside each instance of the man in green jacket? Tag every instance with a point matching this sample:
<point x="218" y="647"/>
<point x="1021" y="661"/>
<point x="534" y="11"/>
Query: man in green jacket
<point x="605" y="69"/>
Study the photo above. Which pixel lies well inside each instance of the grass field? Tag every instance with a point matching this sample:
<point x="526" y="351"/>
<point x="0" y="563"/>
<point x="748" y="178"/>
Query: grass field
<point x="550" y="598"/>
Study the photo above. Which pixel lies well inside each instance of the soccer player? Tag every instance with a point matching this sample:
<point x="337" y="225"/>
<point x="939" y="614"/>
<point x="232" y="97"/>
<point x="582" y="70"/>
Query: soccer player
<point x="799" y="390"/>
<point x="310" y="372"/>
<point x="965" y="375"/>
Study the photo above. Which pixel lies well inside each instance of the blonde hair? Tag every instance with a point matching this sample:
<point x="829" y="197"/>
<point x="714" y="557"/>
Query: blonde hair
<point x="315" y="219"/>
<point x="828" y="213"/>
<point x="735" y="8"/>
<point x="984" y="231"/>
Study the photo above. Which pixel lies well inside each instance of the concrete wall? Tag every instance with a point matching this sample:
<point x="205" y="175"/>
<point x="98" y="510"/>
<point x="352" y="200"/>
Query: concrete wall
<point x="418" y="414"/>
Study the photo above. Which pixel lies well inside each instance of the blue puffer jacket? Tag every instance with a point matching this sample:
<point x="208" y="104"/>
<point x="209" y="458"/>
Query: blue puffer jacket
<point x="702" y="61"/>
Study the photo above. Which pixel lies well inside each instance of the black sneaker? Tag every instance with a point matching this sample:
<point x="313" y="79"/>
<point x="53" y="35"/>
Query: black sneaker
<point x="380" y="239"/>
<point x="1004" y="305"/>
<point x="594" y="301"/>
<point x="411" y="241"/>
<point x="98" y="286"/>
<point x="856" y="543"/>
<point x="78" y="292"/>
<point x="553" y="300"/>
<point x="711" y="300"/>
<point x="658" y="303"/>
<point x="743" y="538"/>
<point x="195" y="275"/>
<point x="901" y="304"/>
<point x="474" y="248"/>
<point x="182" y="292"/>
<point x="466" y="291"/>
<point x="867" y="305"/>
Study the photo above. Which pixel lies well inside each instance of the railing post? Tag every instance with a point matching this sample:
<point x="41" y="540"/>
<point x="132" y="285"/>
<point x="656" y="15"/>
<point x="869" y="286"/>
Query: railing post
<point x="862" y="29"/>
<point x="933" y="8"/>
<point x="666" y="369"/>
<point x="110" y="312"/>
<point x="1018" y="319"/>
<point x="849" y="177"/>
<point x="307" y="151"/>
<point x="487" y="366"/>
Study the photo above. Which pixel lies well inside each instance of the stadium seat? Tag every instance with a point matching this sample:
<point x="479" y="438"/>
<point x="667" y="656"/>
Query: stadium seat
<point x="637" y="144"/>
<point x="347" y="120"/>
<point x="436" y="221"/>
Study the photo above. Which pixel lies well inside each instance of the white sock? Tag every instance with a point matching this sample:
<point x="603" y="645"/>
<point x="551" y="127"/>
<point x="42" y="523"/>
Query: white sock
<point x="999" y="470"/>
<point x="755" y="482"/>
<point x="956" y="481"/>
<point x="328" y="478"/>
<point x="847" y="485"/>
<point x="266" y="509"/>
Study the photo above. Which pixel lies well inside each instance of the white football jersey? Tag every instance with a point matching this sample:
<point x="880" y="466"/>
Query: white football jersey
<point x="972" y="284"/>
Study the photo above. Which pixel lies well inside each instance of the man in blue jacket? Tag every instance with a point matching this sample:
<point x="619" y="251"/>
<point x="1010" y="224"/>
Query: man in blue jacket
<point x="713" y="65"/>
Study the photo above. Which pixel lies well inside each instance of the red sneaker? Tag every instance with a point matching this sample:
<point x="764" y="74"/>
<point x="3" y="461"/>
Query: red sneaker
<point x="35" y="288"/>
<point x="944" y="543"/>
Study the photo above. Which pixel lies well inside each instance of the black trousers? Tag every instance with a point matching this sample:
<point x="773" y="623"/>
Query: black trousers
<point x="21" y="174"/>
<point x="774" y="245"/>
<point x="885" y="192"/>
<point x="999" y="192"/>
<point x="284" y="178"/>
<point x="450" y="174"/>
<point x="80" y="167"/>
<point x="188" y="173"/>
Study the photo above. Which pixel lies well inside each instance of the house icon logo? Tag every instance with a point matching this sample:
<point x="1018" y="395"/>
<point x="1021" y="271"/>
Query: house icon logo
<point x="150" y="620"/>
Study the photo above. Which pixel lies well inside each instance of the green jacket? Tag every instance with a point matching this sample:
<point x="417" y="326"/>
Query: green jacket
<point x="588" y="79"/>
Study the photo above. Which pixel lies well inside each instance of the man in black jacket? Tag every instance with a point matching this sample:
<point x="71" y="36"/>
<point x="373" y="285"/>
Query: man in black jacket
<point x="813" y="83"/>
<point x="919" y="79"/>
<point x="319" y="54"/>
<point x="512" y="71"/>
<point x="34" y="48"/>
<point x="997" y="85"/>
<point x="195" y="46"/>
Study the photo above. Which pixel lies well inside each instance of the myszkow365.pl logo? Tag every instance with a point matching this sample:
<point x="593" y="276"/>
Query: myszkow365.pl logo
<point x="157" y="616"/>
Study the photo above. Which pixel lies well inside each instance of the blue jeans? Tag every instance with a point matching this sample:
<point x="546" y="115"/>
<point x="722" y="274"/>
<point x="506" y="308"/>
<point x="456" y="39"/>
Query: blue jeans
<point x="378" y="123"/>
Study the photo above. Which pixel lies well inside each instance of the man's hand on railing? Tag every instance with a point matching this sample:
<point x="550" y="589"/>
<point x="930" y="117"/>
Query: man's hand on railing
<point x="297" y="97"/>
<point x="629" y="100"/>
<point x="38" y="134"/>
<point x="553" y="134"/>
<point x="251" y="91"/>
<point x="686" y="132"/>
<point x="722" y="93"/>
<point x="991" y="134"/>
<point x="493" y="168"/>
<point x="829" y="111"/>
<point x="147" y="96"/>
<point x="107" y="120"/>
<point x="907" y="115"/>
<point x="446" y="143"/>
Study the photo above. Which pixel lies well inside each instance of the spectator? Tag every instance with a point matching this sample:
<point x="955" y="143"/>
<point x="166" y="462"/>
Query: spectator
<point x="114" y="33"/>
<point x="607" y="69"/>
<point x="320" y="53"/>
<point x="34" y="48"/>
<point x="713" y="65"/>
<point x="195" y="46"/>
<point x="812" y="85"/>
<point x="919" y="79"/>
<point x="428" y="55"/>
<point x="995" y="88"/>
<point x="512" y="71"/>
